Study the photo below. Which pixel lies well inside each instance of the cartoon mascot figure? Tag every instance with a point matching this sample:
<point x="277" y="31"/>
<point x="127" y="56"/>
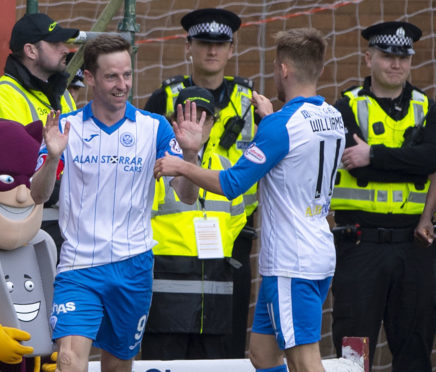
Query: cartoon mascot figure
<point x="27" y="254"/>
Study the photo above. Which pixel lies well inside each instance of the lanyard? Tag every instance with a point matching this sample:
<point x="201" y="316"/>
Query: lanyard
<point x="202" y="199"/>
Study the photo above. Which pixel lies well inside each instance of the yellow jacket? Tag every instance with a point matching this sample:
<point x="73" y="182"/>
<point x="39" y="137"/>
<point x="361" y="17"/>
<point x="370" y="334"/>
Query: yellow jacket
<point x="25" y="106"/>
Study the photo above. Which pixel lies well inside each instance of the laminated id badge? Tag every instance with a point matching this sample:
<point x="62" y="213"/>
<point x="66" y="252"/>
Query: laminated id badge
<point x="208" y="237"/>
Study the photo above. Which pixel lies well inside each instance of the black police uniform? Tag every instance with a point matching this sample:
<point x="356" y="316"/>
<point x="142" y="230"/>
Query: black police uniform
<point x="381" y="274"/>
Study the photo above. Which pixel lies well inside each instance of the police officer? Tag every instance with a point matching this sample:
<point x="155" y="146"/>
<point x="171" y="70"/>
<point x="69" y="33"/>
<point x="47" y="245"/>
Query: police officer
<point x="381" y="273"/>
<point x="209" y="46"/>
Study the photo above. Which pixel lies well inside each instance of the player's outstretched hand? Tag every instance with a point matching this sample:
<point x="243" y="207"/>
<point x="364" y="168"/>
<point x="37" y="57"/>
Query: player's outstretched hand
<point x="169" y="165"/>
<point x="53" y="138"/>
<point x="424" y="232"/>
<point x="11" y="351"/>
<point x="263" y="105"/>
<point x="187" y="128"/>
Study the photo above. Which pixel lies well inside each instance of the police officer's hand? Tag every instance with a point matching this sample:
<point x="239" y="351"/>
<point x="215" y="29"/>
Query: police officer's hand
<point x="424" y="232"/>
<point x="356" y="156"/>
<point x="11" y="351"/>
<point x="53" y="138"/>
<point x="262" y="104"/>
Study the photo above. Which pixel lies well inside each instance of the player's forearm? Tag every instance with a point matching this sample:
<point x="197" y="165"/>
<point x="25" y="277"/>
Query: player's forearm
<point x="205" y="178"/>
<point x="43" y="181"/>
<point x="186" y="190"/>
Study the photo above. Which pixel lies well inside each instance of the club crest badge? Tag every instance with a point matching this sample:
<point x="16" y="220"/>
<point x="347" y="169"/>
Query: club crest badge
<point x="127" y="139"/>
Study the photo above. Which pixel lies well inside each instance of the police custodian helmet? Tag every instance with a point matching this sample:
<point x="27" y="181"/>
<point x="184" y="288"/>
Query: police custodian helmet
<point x="210" y="24"/>
<point x="393" y="37"/>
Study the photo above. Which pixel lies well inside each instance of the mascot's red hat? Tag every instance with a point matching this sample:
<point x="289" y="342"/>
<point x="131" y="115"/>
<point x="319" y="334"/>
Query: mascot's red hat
<point x="19" y="145"/>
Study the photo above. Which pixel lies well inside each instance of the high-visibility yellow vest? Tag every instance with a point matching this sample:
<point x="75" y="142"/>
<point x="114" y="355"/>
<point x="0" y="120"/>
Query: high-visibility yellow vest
<point x="25" y="106"/>
<point x="239" y="104"/>
<point x="205" y="285"/>
<point x="379" y="197"/>
<point x="173" y="221"/>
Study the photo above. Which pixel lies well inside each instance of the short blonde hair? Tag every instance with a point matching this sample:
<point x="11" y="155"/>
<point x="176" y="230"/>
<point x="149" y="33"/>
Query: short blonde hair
<point x="305" y="49"/>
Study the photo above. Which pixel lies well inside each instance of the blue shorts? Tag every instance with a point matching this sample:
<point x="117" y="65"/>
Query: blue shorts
<point x="108" y="304"/>
<point x="290" y="309"/>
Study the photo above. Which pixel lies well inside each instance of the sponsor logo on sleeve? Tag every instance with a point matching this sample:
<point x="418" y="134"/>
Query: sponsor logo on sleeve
<point x="174" y="146"/>
<point x="255" y="154"/>
<point x="40" y="162"/>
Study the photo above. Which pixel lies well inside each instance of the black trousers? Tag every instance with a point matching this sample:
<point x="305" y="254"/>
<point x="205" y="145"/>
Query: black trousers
<point x="182" y="346"/>
<point x="235" y="342"/>
<point x="389" y="282"/>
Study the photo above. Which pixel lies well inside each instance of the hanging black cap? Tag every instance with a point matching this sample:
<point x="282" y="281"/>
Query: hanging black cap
<point x="393" y="37"/>
<point x="210" y="24"/>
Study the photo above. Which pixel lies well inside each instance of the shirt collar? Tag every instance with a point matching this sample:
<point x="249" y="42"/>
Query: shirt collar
<point x="316" y="100"/>
<point x="130" y="114"/>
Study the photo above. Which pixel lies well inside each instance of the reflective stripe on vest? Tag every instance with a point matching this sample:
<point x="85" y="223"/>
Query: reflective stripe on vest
<point x="192" y="287"/>
<point x="211" y="205"/>
<point x="382" y="195"/>
<point x="245" y="105"/>
<point x="29" y="103"/>
<point x="69" y="100"/>
<point x="66" y="96"/>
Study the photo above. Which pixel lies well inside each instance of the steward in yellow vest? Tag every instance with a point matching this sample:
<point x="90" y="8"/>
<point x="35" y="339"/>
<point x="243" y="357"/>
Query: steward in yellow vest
<point x="191" y="311"/>
<point x="235" y="126"/>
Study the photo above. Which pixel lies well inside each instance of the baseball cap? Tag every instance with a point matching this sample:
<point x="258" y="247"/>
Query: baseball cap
<point x="393" y="37"/>
<point x="35" y="27"/>
<point x="201" y="96"/>
<point x="211" y="24"/>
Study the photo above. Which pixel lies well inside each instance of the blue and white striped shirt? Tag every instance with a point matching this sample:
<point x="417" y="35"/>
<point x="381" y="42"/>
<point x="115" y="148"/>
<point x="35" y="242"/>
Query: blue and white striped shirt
<point x="107" y="186"/>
